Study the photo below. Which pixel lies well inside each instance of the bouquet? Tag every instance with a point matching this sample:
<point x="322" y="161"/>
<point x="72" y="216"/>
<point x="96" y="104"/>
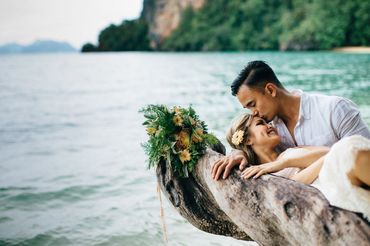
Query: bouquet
<point x="175" y="135"/>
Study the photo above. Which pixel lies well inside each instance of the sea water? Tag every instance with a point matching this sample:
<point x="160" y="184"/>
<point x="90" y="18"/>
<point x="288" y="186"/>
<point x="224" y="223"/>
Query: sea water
<point x="72" y="171"/>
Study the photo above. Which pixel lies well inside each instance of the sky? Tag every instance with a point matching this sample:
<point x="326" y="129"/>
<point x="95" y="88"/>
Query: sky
<point x="73" y="21"/>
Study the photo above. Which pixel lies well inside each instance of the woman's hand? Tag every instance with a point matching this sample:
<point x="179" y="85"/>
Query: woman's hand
<point x="259" y="170"/>
<point x="226" y="163"/>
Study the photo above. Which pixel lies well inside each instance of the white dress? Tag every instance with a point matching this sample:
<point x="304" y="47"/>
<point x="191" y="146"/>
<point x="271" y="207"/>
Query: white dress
<point x="333" y="181"/>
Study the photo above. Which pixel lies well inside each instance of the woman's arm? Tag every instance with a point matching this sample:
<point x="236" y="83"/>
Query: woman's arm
<point x="301" y="161"/>
<point x="306" y="159"/>
<point x="310" y="173"/>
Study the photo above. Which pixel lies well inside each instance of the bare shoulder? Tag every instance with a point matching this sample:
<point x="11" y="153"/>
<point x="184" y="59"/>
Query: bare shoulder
<point x="314" y="148"/>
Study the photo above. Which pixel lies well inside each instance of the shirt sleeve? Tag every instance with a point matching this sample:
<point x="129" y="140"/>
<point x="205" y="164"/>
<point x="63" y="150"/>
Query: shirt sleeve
<point x="346" y="120"/>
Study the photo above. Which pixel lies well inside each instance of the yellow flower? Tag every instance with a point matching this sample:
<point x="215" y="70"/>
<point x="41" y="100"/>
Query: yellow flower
<point x="196" y="138"/>
<point x="192" y="121"/>
<point x="177" y="120"/>
<point x="183" y="140"/>
<point x="199" y="131"/>
<point x="151" y="130"/>
<point x="197" y="135"/>
<point x="185" y="156"/>
<point x="176" y="110"/>
<point x="237" y="137"/>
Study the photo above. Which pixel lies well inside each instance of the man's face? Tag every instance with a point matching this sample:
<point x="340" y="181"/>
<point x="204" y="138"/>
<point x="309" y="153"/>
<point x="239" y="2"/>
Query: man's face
<point x="260" y="102"/>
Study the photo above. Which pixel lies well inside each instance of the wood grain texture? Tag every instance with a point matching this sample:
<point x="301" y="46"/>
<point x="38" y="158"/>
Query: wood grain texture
<point x="270" y="210"/>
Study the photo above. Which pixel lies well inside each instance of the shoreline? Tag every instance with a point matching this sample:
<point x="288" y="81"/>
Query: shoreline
<point x="353" y="49"/>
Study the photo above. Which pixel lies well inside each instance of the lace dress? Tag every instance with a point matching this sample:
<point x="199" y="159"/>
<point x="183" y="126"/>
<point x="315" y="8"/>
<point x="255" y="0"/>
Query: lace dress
<point x="333" y="181"/>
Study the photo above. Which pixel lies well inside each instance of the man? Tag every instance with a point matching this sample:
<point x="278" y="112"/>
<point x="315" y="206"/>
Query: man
<point x="300" y="118"/>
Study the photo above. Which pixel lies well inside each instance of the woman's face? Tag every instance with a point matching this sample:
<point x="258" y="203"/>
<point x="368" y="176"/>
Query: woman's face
<point x="262" y="134"/>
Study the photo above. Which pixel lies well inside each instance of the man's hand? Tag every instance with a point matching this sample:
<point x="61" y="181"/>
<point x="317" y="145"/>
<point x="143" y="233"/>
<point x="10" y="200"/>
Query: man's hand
<point x="226" y="163"/>
<point x="259" y="170"/>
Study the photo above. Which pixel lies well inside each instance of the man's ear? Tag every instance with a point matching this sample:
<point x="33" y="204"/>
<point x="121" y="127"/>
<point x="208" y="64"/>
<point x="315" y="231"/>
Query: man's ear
<point x="271" y="89"/>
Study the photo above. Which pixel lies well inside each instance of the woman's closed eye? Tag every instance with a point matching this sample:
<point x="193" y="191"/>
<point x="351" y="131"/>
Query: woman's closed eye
<point x="260" y="122"/>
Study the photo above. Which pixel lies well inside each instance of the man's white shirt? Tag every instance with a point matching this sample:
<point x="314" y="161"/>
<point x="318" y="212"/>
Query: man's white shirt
<point x="323" y="120"/>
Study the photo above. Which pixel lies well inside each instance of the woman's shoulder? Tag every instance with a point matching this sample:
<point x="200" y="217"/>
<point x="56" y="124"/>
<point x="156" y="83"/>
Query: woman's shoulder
<point x="311" y="148"/>
<point x="292" y="152"/>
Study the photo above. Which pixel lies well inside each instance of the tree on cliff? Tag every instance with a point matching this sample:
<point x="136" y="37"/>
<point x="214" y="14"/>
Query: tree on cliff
<point x="248" y="25"/>
<point x="271" y="25"/>
<point x="130" y="35"/>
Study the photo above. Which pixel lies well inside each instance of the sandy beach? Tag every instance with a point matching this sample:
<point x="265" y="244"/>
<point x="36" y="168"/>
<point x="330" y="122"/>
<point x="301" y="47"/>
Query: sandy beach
<point x="353" y="49"/>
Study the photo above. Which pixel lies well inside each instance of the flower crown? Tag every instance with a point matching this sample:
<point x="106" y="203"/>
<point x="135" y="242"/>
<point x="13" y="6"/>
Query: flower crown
<point x="237" y="137"/>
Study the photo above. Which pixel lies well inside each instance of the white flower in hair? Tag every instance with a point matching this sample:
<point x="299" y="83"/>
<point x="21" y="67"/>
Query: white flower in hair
<point x="237" y="137"/>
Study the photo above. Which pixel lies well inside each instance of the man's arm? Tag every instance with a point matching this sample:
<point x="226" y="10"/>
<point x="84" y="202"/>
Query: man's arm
<point x="346" y="120"/>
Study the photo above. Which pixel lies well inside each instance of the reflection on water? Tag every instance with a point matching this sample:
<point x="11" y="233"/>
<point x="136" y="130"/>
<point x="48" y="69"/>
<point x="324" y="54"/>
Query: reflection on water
<point x="72" y="169"/>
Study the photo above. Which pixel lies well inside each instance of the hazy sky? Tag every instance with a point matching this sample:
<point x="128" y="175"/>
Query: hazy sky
<point x="74" y="21"/>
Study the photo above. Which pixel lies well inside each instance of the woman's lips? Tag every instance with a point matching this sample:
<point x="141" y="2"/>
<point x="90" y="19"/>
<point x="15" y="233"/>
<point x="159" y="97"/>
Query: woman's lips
<point x="271" y="132"/>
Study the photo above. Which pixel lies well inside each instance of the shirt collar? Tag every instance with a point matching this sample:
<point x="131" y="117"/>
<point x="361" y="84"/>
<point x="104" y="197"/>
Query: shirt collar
<point x="304" y="107"/>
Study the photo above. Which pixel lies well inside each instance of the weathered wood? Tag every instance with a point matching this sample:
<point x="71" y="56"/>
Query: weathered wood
<point x="270" y="210"/>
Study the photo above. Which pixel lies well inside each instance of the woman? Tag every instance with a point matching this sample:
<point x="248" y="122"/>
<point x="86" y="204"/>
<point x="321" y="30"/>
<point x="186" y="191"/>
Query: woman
<point x="341" y="173"/>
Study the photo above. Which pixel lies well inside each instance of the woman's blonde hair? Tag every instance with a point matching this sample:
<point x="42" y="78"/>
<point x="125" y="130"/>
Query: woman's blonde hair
<point x="237" y="137"/>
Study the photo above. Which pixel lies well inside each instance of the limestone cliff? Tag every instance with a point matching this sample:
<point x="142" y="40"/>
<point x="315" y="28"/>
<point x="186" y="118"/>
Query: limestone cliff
<point x="163" y="16"/>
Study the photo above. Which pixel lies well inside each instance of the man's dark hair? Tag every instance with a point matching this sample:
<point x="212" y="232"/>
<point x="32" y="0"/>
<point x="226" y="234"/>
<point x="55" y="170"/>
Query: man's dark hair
<point x="255" y="75"/>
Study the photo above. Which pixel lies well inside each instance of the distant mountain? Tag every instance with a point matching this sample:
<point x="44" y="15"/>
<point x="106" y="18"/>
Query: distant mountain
<point x="11" y="48"/>
<point x="39" y="46"/>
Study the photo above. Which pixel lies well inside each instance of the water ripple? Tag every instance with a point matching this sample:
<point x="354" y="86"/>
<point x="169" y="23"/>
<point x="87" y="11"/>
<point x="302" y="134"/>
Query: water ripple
<point x="72" y="168"/>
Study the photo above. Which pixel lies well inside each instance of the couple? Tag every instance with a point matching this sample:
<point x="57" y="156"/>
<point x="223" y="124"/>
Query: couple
<point x="313" y="139"/>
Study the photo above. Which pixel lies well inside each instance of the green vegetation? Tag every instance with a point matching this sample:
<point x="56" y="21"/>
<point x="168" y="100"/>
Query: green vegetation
<point x="177" y="136"/>
<point x="130" y="35"/>
<point x="253" y="25"/>
<point x="272" y="25"/>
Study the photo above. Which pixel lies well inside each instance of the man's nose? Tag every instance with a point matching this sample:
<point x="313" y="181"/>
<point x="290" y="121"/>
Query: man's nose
<point x="255" y="112"/>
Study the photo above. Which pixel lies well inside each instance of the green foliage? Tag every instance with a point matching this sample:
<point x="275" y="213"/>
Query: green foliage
<point x="358" y="33"/>
<point x="271" y="25"/>
<point x="130" y="35"/>
<point x="222" y="25"/>
<point x="89" y="47"/>
<point x="177" y="136"/>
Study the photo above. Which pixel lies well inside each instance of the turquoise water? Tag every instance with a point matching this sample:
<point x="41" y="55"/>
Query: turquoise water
<point x="72" y="169"/>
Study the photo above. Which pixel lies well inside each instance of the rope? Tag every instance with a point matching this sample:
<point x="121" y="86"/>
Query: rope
<point x="164" y="230"/>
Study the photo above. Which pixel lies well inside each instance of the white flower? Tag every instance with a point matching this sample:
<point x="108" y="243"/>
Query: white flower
<point x="237" y="137"/>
